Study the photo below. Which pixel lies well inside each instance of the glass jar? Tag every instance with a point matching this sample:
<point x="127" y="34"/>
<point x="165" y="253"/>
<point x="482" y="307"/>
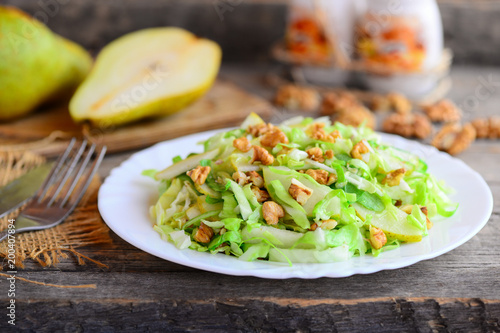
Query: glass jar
<point x="399" y="43"/>
<point x="400" y="35"/>
<point x="320" y="34"/>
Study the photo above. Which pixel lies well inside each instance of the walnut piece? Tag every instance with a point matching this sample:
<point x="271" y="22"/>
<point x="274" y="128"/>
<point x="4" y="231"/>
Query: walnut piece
<point x="454" y="139"/>
<point x="408" y="125"/>
<point x="322" y="177"/>
<point x="394" y="177"/>
<point x="427" y="221"/>
<point x="272" y="212"/>
<point x="487" y="128"/>
<point x="358" y="150"/>
<point x="260" y="129"/>
<point x="328" y="224"/>
<point x="297" y="98"/>
<point x="261" y="155"/>
<point x="325" y="225"/>
<point x="203" y="233"/>
<point x="273" y="137"/>
<point x="329" y="154"/>
<point x="315" y="154"/>
<point x="357" y="116"/>
<point x="255" y="178"/>
<point x="261" y="195"/>
<point x="199" y="174"/>
<point x="377" y="238"/>
<point x="335" y="102"/>
<point x="318" y="133"/>
<point x="443" y="111"/>
<point x="240" y="178"/>
<point x="399" y="103"/>
<point x="242" y="144"/>
<point x="299" y="192"/>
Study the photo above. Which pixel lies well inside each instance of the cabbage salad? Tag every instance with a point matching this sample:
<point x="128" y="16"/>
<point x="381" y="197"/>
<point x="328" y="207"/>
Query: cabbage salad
<point x="305" y="191"/>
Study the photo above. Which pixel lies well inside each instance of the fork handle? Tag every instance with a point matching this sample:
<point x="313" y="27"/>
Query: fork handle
<point x="3" y="235"/>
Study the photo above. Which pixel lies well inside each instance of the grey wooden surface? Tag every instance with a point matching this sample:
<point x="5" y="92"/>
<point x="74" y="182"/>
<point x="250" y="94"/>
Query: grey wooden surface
<point x="455" y="292"/>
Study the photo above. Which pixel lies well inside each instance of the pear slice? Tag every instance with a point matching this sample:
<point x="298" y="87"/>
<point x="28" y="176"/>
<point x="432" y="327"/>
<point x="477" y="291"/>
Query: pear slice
<point x="394" y="226"/>
<point x="147" y="73"/>
<point x="185" y="165"/>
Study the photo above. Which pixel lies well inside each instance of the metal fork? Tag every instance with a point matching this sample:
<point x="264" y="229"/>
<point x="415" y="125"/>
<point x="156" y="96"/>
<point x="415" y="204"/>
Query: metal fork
<point x="61" y="191"/>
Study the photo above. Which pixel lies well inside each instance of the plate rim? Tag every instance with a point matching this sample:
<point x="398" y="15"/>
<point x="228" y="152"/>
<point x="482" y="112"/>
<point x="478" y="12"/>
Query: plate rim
<point x="294" y="273"/>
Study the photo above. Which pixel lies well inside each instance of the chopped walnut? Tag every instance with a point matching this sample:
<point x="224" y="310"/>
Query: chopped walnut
<point x="377" y="238"/>
<point x="272" y="212"/>
<point x="203" y="233"/>
<point x="399" y="103"/>
<point x="255" y="178"/>
<point x="299" y="192"/>
<point x="328" y="224"/>
<point x="357" y="116"/>
<point x="394" y="177"/>
<point x="297" y="98"/>
<point x="242" y="144"/>
<point x="262" y="155"/>
<point x="261" y="195"/>
<point x="487" y="128"/>
<point x="322" y="135"/>
<point x="240" y="178"/>
<point x="359" y="149"/>
<point x="380" y="103"/>
<point x="273" y="137"/>
<point x="332" y="178"/>
<point x="329" y="154"/>
<point x="318" y="133"/>
<point x="260" y="129"/>
<point x="325" y="225"/>
<point x="408" y="125"/>
<point x="320" y="176"/>
<point x="427" y="221"/>
<point x="315" y="154"/>
<point x="454" y="139"/>
<point x="443" y="111"/>
<point x="338" y="102"/>
<point x="199" y="174"/>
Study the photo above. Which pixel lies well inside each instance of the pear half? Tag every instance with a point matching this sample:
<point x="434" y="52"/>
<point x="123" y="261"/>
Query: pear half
<point x="36" y="65"/>
<point x="147" y="73"/>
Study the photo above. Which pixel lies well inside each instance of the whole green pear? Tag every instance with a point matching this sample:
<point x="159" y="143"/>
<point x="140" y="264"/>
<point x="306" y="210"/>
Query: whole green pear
<point x="36" y="65"/>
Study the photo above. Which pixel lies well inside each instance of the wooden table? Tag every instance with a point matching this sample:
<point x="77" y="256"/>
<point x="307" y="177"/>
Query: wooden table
<point x="456" y="292"/>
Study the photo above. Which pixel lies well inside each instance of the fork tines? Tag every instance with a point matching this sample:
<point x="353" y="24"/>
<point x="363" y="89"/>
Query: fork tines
<point x="71" y="175"/>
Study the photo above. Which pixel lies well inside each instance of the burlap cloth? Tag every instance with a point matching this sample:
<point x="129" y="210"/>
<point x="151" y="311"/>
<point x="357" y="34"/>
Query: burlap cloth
<point x="46" y="247"/>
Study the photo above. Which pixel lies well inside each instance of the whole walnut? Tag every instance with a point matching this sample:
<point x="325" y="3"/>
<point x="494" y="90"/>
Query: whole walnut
<point x="357" y="116"/>
<point x="454" y="138"/>
<point x="408" y="125"/>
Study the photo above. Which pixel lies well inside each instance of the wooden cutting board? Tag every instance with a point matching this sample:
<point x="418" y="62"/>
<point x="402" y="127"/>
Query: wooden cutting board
<point x="48" y="131"/>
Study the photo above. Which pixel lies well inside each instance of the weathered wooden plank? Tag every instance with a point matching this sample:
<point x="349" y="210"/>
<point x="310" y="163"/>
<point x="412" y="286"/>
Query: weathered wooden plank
<point x="261" y="315"/>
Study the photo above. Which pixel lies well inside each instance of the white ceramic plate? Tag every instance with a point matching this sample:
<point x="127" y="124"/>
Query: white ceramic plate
<point x="126" y="195"/>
